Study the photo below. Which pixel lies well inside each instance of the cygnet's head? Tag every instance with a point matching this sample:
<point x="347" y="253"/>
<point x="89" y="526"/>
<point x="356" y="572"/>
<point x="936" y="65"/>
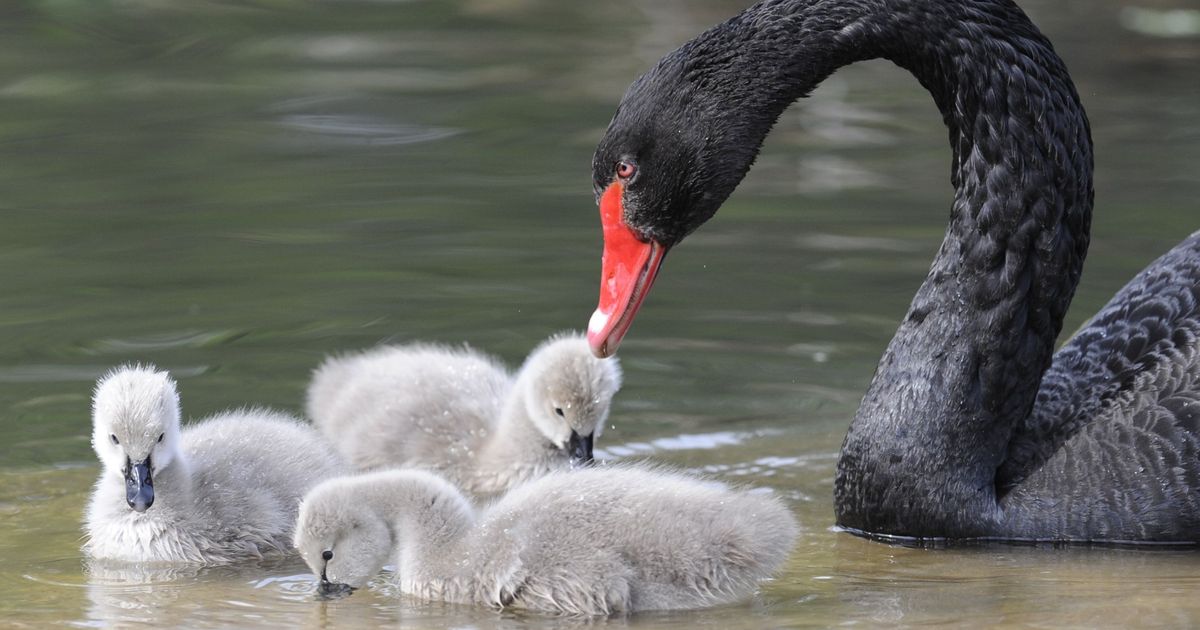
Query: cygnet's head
<point x="340" y="536"/>
<point x="568" y="393"/>
<point x="135" y="428"/>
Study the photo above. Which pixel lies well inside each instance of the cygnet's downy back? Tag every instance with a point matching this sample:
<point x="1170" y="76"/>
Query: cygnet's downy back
<point x="225" y="489"/>
<point x="594" y="541"/>
<point x="459" y="413"/>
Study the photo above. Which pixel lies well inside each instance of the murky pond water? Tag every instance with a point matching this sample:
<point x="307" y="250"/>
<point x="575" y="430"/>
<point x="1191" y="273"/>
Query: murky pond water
<point x="233" y="189"/>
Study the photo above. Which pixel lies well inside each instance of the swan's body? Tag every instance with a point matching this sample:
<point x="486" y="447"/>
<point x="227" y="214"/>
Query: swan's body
<point x="224" y="489"/>
<point x="963" y="432"/>
<point x="1117" y="419"/>
<point x="459" y="413"/>
<point x="588" y="542"/>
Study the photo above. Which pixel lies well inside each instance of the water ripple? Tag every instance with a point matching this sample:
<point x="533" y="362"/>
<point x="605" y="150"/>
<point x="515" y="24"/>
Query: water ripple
<point x="769" y="466"/>
<point x="1161" y="23"/>
<point x="364" y="130"/>
<point x="296" y="587"/>
<point x="683" y="442"/>
<point x="845" y="243"/>
<point x="74" y="373"/>
<point x="164" y="341"/>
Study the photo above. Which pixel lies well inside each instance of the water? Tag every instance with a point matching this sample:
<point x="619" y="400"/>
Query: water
<point x="232" y="190"/>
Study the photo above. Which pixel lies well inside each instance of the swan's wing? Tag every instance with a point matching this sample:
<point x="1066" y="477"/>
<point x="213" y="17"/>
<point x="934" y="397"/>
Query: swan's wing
<point x="1115" y="429"/>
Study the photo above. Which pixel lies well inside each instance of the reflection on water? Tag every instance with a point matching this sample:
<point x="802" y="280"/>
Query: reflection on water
<point x="232" y="191"/>
<point x="185" y="596"/>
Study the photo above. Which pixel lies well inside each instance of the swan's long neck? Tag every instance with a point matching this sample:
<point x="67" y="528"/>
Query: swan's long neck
<point x="965" y="364"/>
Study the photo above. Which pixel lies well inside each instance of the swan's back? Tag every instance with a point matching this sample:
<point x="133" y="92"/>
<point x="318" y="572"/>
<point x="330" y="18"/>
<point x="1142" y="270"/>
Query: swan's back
<point x="1112" y="448"/>
<point x="417" y="405"/>
<point x="629" y="538"/>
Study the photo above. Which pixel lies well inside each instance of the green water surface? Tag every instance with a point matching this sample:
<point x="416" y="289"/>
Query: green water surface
<point x="231" y="190"/>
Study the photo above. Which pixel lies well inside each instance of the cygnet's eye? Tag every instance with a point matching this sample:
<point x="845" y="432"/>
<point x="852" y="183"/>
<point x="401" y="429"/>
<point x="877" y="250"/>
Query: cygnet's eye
<point x="327" y="555"/>
<point x="559" y="411"/>
<point x="113" y="437"/>
<point x="160" y="437"/>
<point x="626" y="169"/>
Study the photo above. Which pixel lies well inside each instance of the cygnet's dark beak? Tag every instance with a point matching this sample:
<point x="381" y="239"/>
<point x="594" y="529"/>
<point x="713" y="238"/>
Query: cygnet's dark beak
<point x="139" y="485"/>
<point x="580" y="449"/>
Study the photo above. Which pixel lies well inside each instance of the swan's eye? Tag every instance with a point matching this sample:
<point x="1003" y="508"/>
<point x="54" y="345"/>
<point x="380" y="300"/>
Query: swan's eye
<point x="160" y="437"/>
<point x="113" y="437"/>
<point x="626" y="169"/>
<point x="559" y="411"/>
<point x="327" y="555"/>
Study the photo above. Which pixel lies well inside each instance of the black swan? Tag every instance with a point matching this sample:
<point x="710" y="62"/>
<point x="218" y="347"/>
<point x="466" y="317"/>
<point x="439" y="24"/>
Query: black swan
<point x="972" y="428"/>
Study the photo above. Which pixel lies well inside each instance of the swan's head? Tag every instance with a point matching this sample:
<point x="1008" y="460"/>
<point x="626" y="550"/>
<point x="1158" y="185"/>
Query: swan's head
<point x="683" y="137"/>
<point x="567" y="394"/>
<point x="135" y="428"/>
<point x="341" y="537"/>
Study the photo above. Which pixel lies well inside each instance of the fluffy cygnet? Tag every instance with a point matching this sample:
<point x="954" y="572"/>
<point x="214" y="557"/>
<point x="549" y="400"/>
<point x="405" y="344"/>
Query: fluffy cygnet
<point x="592" y="541"/>
<point x="224" y="489"/>
<point x="459" y="413"/>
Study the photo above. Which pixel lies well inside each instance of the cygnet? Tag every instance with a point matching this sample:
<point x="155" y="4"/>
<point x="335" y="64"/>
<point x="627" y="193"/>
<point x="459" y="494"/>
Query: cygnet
<point x="458" y="412"/>
<point x="224" y="489"/>
<point x="593" y="541"/>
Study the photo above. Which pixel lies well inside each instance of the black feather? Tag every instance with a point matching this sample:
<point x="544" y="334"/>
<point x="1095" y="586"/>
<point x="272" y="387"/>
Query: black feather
<point x="959" y="435"/>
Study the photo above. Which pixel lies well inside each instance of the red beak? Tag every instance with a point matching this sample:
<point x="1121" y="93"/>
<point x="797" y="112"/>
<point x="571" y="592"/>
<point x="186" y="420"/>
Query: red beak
<point x="628" y="270"/>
